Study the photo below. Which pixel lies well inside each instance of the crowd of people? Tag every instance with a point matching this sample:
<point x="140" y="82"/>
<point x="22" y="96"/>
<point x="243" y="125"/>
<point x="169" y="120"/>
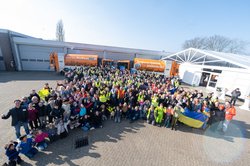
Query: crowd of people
<point x="89" y="96"/>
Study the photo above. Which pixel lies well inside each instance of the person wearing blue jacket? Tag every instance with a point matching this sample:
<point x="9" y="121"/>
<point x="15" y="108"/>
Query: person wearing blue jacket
<point x="12" y="154"/>
<point x="26" y="147"/>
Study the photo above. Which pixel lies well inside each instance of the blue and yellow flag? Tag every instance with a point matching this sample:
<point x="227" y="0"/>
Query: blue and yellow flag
<point x="192" y="119"/>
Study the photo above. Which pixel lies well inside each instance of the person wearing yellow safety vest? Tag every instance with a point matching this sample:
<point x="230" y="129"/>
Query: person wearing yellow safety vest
<point x="140" y="97"/>
<point x="159" y="111"/>
<point x="155" y="100"/>
<point x="97" y="84"/>
<point x="176" y="83"/>
<point x="102" y="98"/>
<point x="108" y="94"/>
<point x="110" y="108"/>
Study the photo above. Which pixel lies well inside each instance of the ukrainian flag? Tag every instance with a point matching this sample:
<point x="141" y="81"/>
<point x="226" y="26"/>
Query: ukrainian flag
<point x="192" y="119"/>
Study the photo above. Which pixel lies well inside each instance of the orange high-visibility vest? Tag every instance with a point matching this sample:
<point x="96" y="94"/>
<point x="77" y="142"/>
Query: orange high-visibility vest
<point x="121" y="94"/>
<point x="230" y="112"/>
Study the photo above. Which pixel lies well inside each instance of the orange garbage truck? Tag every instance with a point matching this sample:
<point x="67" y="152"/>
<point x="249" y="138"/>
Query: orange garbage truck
<point x="149" y="65"/>
<point x="59" y="61"/>
<point x="159" y="66"/>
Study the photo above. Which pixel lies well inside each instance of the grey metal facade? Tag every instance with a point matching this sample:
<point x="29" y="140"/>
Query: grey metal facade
<point x="36" y="57"/>
<point x="147" y="56"/>
<point x="22" y="52"/>
<point x="6" y="56"/>
<point x="2" y="64"/>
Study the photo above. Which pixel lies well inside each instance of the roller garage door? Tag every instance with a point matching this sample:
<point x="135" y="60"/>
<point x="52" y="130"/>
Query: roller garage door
<point x="36" y="57"/>
<point x="119" y="56"/>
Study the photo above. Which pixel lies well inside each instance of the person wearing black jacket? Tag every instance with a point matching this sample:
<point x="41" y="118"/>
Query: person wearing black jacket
<point x="57" y="112"/>
<point x="52" y="95"/>
<point x="220" y="114"/>
<point x="213" y="113"/>
<point x="97" y="120"/>
<point x="217" y="114"/>
<point x="235" y="95"/>
<point x="32" y="94"/>
<point x="19" y="117"/>
<point x="42" y="114"/>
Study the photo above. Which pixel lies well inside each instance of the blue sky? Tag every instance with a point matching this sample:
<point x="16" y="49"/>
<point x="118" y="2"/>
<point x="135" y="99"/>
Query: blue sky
<point x="146" y="24"/>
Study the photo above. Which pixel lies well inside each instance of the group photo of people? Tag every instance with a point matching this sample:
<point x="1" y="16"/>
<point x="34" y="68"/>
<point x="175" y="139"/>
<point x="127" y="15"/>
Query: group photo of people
<point x="90" y="96"/>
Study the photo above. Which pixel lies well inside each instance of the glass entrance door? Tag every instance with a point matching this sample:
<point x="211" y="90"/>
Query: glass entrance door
<point x="213" y="80"/>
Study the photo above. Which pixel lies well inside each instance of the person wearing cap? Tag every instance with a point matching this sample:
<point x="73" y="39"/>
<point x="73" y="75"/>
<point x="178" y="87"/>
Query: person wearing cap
<point x="19" y="117"/>
<point x="235" y="95"/>
<point x="12" y="153"/>
<point x="26" y="147"/>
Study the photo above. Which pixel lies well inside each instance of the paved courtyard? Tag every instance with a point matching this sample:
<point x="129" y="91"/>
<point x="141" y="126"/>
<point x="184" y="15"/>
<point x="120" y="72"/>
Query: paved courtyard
<point x="128" y="144"/>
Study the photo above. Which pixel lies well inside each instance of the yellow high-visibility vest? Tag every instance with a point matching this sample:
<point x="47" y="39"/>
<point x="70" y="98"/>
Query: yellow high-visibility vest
<point x="154" y="101"/>
<point x="108" y="96"/>
<point x="110" y="109"/>
<point x="43" y="93"/>
<point x="103" y="98"/>
<point x="97" y="84"/>
<point x="140" y="97"/>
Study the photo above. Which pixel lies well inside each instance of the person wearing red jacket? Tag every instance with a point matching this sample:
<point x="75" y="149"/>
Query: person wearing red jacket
<point x="32" y="116"/>
<point x="40" y="140"/>
<point x="230" y="112"/>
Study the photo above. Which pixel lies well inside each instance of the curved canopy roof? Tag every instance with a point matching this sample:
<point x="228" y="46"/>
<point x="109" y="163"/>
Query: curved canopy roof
<point x="212" y="58"/>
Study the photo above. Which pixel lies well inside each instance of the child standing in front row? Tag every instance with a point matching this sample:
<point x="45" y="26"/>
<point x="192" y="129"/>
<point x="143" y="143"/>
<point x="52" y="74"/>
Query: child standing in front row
<point x="118" y="113"/>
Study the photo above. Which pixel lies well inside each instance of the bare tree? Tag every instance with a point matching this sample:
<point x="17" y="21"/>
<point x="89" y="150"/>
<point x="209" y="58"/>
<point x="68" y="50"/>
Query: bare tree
<point x="216" y="43"/>
<point x="60" y="31"/>
<point x="237" y="46"/>
<point x="197" y="42"/>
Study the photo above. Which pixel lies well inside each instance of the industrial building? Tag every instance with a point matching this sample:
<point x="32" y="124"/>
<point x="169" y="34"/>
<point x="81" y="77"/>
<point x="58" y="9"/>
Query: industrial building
<point x="217" y="71"/>
<point x="20" y="52"/>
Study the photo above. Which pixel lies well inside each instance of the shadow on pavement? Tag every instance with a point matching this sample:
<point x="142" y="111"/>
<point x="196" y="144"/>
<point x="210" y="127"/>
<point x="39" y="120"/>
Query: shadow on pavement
<point x="63" y="151"/>
<point x="236" y="129"/>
